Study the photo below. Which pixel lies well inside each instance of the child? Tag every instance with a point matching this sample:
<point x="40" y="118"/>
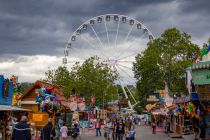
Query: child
<point x="64" y="131"/>
<point x="83" y="126"/>
<point x="127" y="134"/>
<point x="132" y="133"/>
<point x="33" y="137"/>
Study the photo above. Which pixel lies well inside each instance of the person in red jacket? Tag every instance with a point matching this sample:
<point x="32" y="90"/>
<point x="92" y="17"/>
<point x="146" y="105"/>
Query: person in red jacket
<point x="98" y="127"/>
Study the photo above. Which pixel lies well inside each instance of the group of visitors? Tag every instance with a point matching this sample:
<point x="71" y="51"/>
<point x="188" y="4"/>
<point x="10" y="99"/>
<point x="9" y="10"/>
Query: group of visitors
<point x="22" y="131"/>
<point x="119" y="128"/>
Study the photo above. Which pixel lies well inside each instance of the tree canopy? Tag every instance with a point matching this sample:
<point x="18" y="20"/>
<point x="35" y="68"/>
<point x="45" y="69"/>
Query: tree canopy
<point x="89" y="78"/>
<point x="164" y="61"/>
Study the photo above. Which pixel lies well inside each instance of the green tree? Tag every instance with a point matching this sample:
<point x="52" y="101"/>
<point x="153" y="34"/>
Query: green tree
<point x="89" y="78"/>
<point x="205" y="45"/>
<point x="164" y="61"/>
<point x="60" y="76"/>
<point x="23" y="86"/>
<point x="93" y="78"/>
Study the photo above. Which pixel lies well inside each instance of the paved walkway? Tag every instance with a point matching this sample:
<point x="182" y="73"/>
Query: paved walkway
<point x="143" y="133"/>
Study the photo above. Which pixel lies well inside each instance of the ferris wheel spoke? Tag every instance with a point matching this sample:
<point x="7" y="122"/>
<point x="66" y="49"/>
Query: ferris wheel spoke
<point x="120" y="61"/>
<point x="127" y="56"/>
<point x="97" y="36"/>
<point x="125" y="66"/>
<point x="128" y="34"/>
<point x="118" y="66"/>
<point x="94" y="47"/>
<point x="116" y="36"/>
<point x="127" y="74"/>
<point x="107" y="34"/>
<point x="130" y="46"/>
<point x="83" y="57"/>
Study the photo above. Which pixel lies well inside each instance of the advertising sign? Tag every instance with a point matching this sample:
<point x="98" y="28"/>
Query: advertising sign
<point x="153" y="97"/>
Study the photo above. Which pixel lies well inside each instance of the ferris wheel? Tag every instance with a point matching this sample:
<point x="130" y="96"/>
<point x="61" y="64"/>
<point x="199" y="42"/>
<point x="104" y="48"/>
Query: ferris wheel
<point x="116" y="40"/>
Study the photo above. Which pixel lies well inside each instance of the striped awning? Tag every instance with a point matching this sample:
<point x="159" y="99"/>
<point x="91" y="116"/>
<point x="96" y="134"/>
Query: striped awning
<point x="200" y="65"/>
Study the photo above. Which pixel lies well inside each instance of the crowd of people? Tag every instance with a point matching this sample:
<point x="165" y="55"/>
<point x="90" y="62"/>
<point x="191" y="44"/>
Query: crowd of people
<point x="115" y="128"/>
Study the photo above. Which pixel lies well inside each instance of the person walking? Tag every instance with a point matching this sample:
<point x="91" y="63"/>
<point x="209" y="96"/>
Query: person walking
<point x="132" y="133"/>
<point x="195" y="122"/>
<point x="22" y="130"/>
<point x="153" y="127"/>
<point x="202" y="125"/>
<point x="64" y="131"/>
<point x="128" y="123"/>
<point x="120" y="130"/>
<point x="139" y="121"/>
<point x="83" y="127"/>
<point x="98" y="127"/>
<point x="75" y="131"/>
<point x="47" y="130"/>
<point x="109" y="129"/>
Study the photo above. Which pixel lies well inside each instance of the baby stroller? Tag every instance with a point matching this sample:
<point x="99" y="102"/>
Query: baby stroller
<point x="75" y="132"/>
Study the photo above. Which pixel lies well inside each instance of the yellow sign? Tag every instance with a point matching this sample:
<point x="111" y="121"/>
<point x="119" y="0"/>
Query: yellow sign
<point x="37" y="117"/>
<point x="150" y="106"/>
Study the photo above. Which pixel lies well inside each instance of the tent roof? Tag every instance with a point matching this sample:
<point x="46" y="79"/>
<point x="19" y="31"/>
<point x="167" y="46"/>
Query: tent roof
<point x="12" y="108"/>
<point x="40" y="84"/>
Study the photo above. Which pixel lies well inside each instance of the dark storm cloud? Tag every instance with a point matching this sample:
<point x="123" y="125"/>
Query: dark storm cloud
<point x="33" y="33"/>
<point x="196" y="6"/>
<point x="29" y="27"/>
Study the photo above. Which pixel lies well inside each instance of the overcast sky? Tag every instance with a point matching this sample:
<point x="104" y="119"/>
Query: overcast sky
<point x="33" y="34"/>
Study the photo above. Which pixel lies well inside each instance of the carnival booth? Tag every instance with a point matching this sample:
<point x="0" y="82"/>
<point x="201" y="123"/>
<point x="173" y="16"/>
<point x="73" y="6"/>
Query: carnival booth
<point x="181" y="118"/>
<point x="198" y="81"/>
<point x="9" y="115"/>
<point x="45" y="100"/>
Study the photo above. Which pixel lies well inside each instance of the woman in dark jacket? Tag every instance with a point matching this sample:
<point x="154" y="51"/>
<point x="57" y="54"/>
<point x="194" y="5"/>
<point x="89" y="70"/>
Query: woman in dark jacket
<point x="120" y="130"/>
<point x="47" y="131"/>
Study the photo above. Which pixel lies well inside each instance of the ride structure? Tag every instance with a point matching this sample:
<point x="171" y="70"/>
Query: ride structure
<point x="114" y="39"/>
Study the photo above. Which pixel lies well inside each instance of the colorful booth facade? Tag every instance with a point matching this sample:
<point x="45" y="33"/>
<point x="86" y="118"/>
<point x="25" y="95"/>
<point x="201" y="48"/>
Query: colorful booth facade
<point x="198" y="84"/>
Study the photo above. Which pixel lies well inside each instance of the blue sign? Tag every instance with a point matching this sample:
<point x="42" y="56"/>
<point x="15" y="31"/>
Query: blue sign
<point x="6" y="91"/>
<point x="194" y="96"/>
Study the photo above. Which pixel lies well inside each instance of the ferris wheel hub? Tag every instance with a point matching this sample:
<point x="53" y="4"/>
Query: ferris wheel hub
<point x="111" y="61"/>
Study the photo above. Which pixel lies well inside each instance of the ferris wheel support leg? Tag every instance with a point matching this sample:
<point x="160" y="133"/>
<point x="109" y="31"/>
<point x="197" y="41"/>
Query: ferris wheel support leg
<point x="131" y="94"/>
<point x="126" y="95"/>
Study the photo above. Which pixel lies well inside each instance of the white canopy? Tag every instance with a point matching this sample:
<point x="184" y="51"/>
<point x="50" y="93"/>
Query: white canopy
<point x="12" y="108"/>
